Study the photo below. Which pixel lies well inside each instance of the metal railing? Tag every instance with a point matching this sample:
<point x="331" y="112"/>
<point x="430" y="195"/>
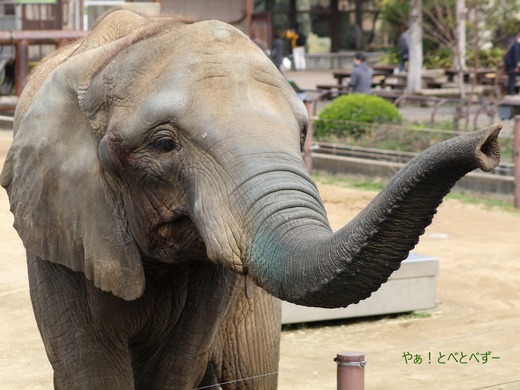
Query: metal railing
<point x="21" y="40"/>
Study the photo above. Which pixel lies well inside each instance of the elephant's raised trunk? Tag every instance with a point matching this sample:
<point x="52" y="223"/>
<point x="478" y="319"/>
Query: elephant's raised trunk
<point x="338" y="269"/>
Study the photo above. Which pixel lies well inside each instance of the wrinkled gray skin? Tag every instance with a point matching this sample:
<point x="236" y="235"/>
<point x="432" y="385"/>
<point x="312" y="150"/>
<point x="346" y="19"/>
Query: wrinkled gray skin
<point x="153" y="166"/>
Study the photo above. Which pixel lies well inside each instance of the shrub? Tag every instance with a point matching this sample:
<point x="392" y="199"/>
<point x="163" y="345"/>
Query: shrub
<point x="443" y="58"/>
<point x="390" y="57"/>
<point x="352" y="116"/>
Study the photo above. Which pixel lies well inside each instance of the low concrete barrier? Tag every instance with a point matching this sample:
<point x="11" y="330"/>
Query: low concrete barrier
<point x="476" y="182"/>
<point x="410" y="288"/>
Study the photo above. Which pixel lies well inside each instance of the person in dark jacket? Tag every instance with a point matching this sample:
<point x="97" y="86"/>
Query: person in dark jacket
<point x="511" y="59"/>
<point x="277" y="52"/>
<point x="404" y="48"/>
<point x="361" y="78"/>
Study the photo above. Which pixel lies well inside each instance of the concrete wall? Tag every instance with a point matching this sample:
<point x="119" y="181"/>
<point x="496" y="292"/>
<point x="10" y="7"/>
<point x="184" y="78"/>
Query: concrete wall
<point x="225" y="10"/>
<point x="343" y="60"/>
<point x="477" y="182"/>
<point x="410" y="288"/>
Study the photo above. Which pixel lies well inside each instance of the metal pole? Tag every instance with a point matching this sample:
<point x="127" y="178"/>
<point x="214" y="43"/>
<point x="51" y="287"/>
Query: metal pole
<point x="307" y="144"/>
<point x="351" y="370"/>
<point x="21" y="65"/>
<point x="516" y="159"/>
<point x="39" y="36"/>
<point x="59" y="15"/>
<point x="249" y="12"/>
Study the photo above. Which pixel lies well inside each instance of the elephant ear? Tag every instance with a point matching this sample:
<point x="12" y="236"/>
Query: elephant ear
<point x="65" y="211"/>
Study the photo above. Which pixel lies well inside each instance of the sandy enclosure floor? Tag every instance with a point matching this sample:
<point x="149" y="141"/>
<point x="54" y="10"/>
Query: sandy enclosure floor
<point x="478" y="313"/>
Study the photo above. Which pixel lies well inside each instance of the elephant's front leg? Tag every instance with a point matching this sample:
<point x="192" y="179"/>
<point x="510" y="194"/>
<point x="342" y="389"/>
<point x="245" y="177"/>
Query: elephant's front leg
<point x="245" y="354"/>
<point x="84" y="353"/>
<point x="177" y="357"/>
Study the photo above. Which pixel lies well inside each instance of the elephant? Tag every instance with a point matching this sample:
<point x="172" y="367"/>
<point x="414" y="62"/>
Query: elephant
<point x="157" y="182"/>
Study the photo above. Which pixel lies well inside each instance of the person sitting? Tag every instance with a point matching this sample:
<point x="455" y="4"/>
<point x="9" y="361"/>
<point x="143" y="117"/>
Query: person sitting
<point x="361" y="78"/>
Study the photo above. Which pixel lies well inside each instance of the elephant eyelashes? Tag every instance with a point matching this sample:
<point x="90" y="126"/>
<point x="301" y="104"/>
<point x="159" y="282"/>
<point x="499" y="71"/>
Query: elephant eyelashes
<point x="165" y="145"/>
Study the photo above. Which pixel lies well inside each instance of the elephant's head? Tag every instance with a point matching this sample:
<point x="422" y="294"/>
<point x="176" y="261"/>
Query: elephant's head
<point x="176" y="141"/>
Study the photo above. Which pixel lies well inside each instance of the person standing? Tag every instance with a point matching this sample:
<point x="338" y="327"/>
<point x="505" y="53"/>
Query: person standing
<point x="404" y="48"/>
<point x="277" y="52"/>
<point x="361" y="77"/>
<point x="298" y="41"/>
<point x="511" y="58"/>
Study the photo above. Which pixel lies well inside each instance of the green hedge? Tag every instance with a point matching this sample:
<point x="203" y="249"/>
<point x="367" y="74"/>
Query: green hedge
<point x="443" y="58"/>
<point x="352" y="116"/>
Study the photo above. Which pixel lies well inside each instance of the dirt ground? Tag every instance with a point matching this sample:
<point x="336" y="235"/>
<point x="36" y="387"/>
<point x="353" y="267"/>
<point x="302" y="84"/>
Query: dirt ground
<point x="478" y="313"/>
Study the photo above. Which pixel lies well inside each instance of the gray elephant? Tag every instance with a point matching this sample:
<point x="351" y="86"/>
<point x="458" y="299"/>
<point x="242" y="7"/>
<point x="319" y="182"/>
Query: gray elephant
<point x="157" y="183"/>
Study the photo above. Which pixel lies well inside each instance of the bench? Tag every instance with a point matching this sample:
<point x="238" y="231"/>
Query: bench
<point x="332" y="90"/>
<point x="336" y="89"/>
<point x="453" y="91"/>
<point x="434" y="84"/>
<point x="391" y="96"/>
<point x="332" y="86"/>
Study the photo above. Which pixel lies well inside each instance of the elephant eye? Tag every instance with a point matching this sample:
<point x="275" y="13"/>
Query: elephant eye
<point x="165" y="144"/>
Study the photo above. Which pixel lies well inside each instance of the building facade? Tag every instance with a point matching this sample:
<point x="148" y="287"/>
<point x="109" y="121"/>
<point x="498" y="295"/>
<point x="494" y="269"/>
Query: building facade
<point x="330" y="25"/>
<point x="338" y="25"/>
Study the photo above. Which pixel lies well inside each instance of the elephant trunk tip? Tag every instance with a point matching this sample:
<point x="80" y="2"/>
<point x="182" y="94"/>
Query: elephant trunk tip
<point x="488" y="149"/>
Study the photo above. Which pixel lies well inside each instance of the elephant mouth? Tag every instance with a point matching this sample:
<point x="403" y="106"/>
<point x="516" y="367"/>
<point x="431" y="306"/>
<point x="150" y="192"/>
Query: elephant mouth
<point x="177" y="219"/>
<point x="176" y="238"/>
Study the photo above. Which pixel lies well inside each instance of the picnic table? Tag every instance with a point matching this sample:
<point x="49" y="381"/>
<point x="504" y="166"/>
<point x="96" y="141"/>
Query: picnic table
<point x="342" y="74"/>
<point x="389" y="69"/>
<point x="436" y="82"/>
<point x="481" y="74"/>
<point x="378" y="79"/>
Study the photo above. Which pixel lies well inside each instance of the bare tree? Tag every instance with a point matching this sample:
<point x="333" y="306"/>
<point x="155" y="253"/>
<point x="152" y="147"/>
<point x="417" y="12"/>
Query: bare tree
<point x="443" y="28"/>
<point x="414" y="79"/>
<point x="449" y="30"/>
<point x="460" y="11"/>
